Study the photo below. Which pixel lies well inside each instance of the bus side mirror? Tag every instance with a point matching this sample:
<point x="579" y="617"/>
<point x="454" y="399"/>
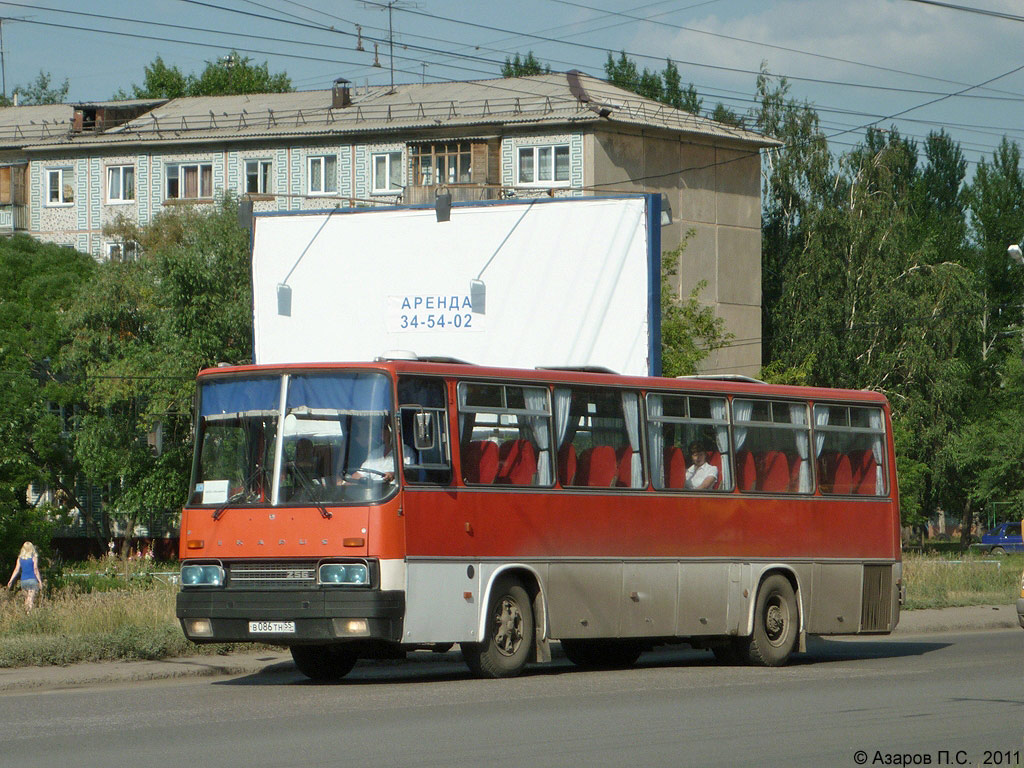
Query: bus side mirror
<point x="423" y="431"/>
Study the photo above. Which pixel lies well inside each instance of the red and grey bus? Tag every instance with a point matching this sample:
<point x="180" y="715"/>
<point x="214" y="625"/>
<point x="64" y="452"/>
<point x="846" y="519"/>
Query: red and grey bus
<point x="367" y="510"/>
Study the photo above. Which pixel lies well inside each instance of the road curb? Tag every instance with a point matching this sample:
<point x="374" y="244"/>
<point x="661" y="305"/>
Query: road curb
<point x="26" y="679"/>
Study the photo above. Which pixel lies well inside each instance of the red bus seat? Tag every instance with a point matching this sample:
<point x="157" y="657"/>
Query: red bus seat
<point x="480" y="462"/>
<point x="774" y="475"/>
<point x="567" y="464"/>
<point x="518" y="463"/>
<point x="842" y="477"/>
<point x="746" y="471"/>
<point x="597" y="467"/>
<point x="624" y="462"/>
<point x="865" y="473"/>
<point x="795" y="463"/>
<point x="675" y="467"/>
<point x="715" y="460"/>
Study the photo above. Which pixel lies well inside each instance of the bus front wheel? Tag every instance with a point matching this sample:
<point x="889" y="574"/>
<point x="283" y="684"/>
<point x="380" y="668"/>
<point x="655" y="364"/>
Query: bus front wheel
<point x="323" y="663"/>
<point x="508" y="634"/>
<point x="775" y="623"/>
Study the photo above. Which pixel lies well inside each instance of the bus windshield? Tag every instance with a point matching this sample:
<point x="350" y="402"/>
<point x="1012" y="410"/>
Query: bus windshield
<point x="294" y="439"/>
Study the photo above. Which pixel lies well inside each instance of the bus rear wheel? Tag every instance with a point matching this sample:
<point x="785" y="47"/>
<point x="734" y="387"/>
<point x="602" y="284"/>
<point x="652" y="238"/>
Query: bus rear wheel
<point x="323" y="663"/>
<point x="602" y="654"/>
<point x="508" y="633"/>
<point x="775" y="623"/>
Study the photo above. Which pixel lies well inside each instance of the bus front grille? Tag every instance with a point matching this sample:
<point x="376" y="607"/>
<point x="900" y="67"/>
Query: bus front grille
<point x="276" y="574"/>
<point x="876" y="605"/>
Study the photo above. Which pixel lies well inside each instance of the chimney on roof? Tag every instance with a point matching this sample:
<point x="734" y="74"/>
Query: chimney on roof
<point x="341" y="97"/>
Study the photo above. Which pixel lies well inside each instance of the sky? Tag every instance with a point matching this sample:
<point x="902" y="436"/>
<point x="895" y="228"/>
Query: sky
<point x="917" y="65"/>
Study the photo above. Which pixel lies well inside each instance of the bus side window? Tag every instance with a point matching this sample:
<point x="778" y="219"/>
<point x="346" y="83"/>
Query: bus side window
<point x="505" y="434"/>
<point x="598" y="436"/>
<point x="419" y="396"/>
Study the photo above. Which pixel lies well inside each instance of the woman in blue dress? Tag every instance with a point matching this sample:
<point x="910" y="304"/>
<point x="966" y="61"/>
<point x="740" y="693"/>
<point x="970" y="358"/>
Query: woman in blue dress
<point x="28" y="566"/>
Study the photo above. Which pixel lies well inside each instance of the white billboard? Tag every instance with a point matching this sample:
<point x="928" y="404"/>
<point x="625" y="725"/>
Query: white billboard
<point x="565" y="282"/>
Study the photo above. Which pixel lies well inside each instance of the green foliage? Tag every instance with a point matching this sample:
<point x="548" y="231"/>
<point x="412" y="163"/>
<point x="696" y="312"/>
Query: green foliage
<point x="690" y="331"/>
<point x="664" y="86"/>
<point x="524" y="66"/>
<point x="231" y="74"/>
<point x="139" y="333"/>
<point x="39" y="91"/>
<point x="883" y="270"/>
<point x="37" y="286"/>
<point x="727" y="116"/>
<point x="937" y="582"/>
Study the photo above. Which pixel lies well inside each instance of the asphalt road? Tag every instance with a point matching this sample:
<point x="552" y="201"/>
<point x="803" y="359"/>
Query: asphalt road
<point x="894" y="697"/>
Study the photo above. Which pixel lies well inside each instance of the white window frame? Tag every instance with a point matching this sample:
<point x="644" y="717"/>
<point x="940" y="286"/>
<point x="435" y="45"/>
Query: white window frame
<point x="392" y="162"/>
<point x="323" y="162"/>
<point x="116" y="190"/>
<point x="65" y="184"/>
<point x="179" y="169"/>
<point x="264" y="170"/>
<point x="126" y="250"/>
<point x="537" y="160"/>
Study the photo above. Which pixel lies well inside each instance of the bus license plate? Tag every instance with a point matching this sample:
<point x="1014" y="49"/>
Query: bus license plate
<point x="271" y="627"/>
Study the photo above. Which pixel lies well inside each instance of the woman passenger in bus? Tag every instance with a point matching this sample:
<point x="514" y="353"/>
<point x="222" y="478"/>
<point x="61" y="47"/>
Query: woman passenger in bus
<point x="700" y="475"/>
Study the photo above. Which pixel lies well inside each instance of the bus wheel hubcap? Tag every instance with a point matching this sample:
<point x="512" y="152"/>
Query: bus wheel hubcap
<point x="508" y="635"/>
<point x="775" y="622"/>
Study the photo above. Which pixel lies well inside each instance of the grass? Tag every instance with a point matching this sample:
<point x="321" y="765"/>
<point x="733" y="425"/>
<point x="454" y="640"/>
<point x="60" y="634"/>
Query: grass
<point x="92" y="612"/>
<point x="952" y="579"/>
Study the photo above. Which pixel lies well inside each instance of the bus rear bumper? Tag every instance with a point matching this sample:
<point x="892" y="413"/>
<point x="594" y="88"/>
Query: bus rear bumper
<point x="290" y="617"/>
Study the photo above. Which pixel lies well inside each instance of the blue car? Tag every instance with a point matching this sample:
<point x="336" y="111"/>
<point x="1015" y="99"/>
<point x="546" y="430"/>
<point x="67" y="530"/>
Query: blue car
<point x="1004" y="538"/>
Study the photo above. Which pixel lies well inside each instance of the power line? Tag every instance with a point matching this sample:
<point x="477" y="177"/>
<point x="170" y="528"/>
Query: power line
<point x="763" y="44"/>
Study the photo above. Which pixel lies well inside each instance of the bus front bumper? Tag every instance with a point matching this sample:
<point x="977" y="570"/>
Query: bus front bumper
<point x="290" y="617"/>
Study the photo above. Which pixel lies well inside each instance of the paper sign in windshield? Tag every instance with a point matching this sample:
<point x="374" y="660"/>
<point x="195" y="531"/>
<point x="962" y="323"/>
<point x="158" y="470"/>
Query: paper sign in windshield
<point x="215" y="491"/>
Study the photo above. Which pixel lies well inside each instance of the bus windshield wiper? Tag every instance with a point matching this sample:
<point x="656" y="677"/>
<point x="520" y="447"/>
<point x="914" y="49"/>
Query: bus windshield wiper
<point x="231" y="500"/>
<point x="313" y="490"/>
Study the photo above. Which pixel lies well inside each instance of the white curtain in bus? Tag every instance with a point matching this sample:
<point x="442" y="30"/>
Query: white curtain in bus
<point x="719" y="413"/>
<point x="656" y="435"/>
<point x="821" y="420"/>
<point x="563" y="399"/>
<point x="537" y="400"/>
<point x="631" y="410"/>
<point x="741" y="412"/>
<point x="798" y="415"/>
<point x="875" y="420"/>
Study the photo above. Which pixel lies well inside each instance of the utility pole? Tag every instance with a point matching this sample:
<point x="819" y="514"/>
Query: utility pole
<point x="3" y="66"/>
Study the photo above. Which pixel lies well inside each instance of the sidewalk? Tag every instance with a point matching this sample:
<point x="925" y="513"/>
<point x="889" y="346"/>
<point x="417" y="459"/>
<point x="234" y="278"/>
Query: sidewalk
<point x="978" y="617"/>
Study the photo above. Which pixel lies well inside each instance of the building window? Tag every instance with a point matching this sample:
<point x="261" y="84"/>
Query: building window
<point x="189" y="181"/>
<point x="258" y="178"/>
<point x="323" y="175"/>
<point x="448" y="163"/>
<point x="545" y="165"/>
<point x="127" y="250"/>
<point x="120" y="183"/>
<point x="60" y="186"/>
<point x="387" y="173"/>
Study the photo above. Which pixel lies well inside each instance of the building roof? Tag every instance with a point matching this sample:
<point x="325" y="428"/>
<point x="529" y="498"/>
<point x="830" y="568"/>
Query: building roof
<point x="541" y="100"/>
<point x="26" y="125"/>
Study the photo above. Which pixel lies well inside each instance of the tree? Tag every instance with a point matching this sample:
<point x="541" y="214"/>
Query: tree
<point x="623" y="72"/>
<point x="524" y="67"/>
<point x="39" y="91"/>
<point x="723" y="114"/>
<point x="159" y="82"/>
<point x="689" y="330"/>
<point x="37" y="285"/>
<point x="231" y="74"/>
<point x="140" y="332"/>
<point x="665" y="86"/>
